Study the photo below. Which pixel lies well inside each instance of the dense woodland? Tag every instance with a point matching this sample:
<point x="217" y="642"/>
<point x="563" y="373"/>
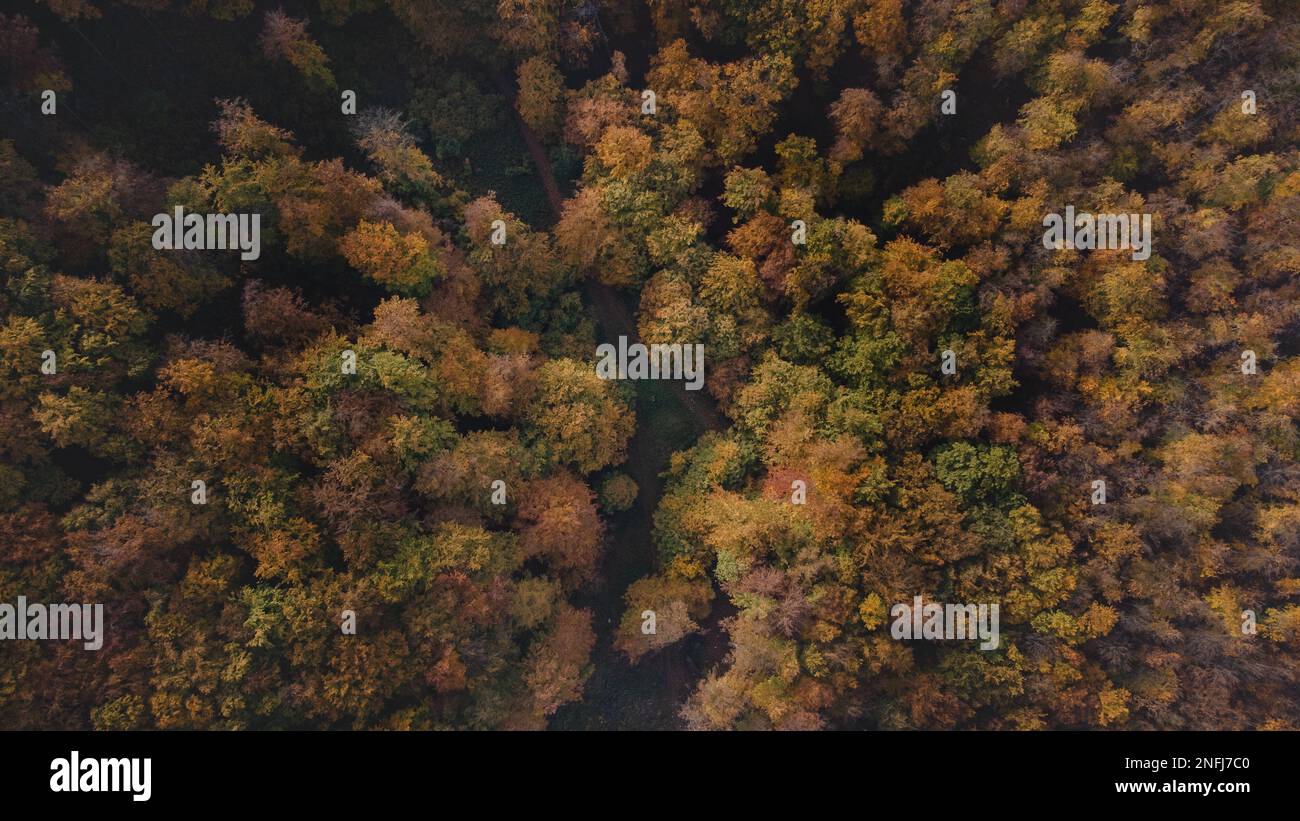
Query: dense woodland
<point x="373" y="492"/>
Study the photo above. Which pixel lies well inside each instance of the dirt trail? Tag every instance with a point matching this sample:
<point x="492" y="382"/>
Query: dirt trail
<point x="614" y="317"/>
<point x="646" y="695"/>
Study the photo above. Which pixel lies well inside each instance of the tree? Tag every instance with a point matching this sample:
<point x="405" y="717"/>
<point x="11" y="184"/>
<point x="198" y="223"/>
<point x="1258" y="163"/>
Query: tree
<point x="286" y="38"/>
<point x="404" y="263"/>
<point x="577" y="418"/>
<point x="557" y="521"/>
<point x="541" y="91"/>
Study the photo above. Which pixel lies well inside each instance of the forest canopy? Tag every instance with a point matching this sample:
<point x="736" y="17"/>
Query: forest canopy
<point x="370" y="476"/>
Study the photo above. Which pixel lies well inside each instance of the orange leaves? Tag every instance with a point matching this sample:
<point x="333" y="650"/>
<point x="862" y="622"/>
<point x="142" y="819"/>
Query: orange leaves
<point x="286" y="38"/>
<point x="579" y="416"/>
<point x="625" y="151"/>
<point x="402" y="262"/>
<point x="661" y="610"/>
<point x="557" y="664"/>
<point x="557" y="521"/>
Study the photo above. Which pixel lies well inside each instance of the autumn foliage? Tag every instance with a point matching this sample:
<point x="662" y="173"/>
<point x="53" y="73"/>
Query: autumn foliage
<point x="396" y="415"/>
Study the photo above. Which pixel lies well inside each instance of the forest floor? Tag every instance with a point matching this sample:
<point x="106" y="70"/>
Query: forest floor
<point x="648" y="694"/>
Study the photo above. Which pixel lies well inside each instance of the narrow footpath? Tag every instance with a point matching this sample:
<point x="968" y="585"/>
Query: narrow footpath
<point x="646" y="695"/>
